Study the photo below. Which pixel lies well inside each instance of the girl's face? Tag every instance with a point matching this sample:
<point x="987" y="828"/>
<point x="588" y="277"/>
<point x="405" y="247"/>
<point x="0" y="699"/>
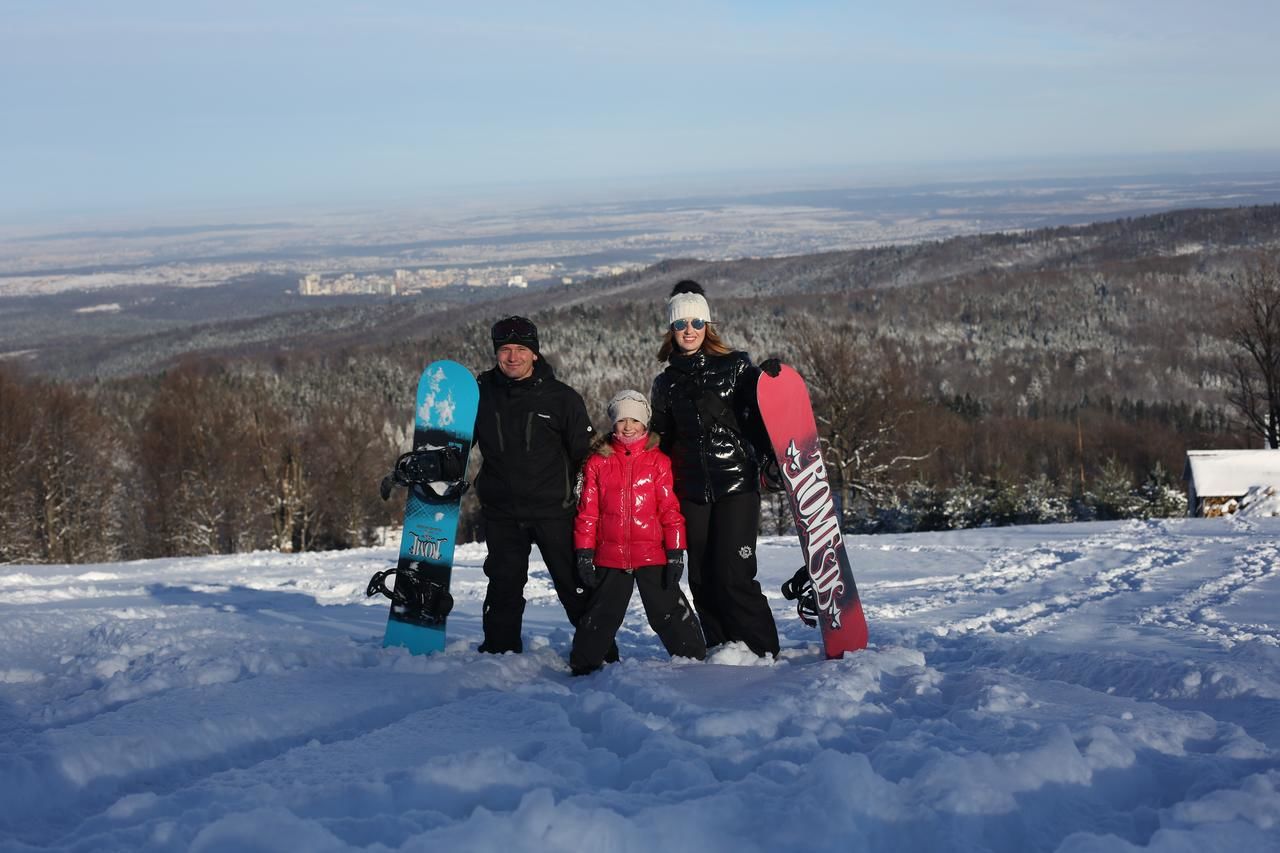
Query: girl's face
<point x="687" y="338"/>
<point x="628" y="427"/>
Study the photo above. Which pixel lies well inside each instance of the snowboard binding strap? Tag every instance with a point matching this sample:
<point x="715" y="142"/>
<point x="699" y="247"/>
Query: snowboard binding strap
<point x="435" y="467"/>
<point x="800" y="590"/>
<point x="430" y="600"/>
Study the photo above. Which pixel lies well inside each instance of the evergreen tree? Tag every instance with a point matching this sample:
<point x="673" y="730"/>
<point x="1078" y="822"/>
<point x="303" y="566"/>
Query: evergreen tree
<point x="1113" y="493"/>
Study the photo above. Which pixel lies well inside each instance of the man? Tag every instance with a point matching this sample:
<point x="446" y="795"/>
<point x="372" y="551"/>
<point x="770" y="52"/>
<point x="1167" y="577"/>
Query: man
<point x="534" y="433"/>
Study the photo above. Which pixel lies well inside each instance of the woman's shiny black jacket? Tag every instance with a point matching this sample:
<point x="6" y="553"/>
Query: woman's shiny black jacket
<point x="704" y="407"/>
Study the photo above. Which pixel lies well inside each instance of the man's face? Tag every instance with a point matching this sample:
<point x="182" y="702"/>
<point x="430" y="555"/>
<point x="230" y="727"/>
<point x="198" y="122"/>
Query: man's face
<point x="516" y="361"/>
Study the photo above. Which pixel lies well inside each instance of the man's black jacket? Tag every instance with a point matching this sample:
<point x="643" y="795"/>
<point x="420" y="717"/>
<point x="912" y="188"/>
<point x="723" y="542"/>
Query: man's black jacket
<point x="534" y="435"/>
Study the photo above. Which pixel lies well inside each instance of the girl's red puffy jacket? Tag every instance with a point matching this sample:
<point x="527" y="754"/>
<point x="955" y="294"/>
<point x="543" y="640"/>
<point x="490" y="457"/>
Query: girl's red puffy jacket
<point x="628" y="511"/>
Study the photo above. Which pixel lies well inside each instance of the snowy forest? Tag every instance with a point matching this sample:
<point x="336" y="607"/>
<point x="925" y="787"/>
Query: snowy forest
<point x="1050" y="375"/>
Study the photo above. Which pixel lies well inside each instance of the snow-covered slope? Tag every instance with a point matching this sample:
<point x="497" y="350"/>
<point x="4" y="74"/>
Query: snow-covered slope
<point x="1089" y="687"/>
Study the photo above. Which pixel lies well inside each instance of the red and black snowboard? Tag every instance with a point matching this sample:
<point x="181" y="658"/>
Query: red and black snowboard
<point x="793" y="432"/>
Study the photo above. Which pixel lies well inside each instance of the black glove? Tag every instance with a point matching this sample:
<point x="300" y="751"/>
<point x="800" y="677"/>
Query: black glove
<point x="771" y="476"/>
<point x="674" y="568"/>
<point x="586" y="568"/>
<point x="771" y="366"/>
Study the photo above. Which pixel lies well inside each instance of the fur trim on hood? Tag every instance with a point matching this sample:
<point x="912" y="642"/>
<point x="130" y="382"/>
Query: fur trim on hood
<point x="603" y="443"/>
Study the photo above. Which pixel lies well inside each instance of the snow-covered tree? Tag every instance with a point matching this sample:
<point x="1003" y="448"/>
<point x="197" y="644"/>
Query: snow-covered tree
<point x="1113" y="495"/>
<point x="1040" y="501"/>
<point x="1161" y="497"/>
<point x="967" y="504"/>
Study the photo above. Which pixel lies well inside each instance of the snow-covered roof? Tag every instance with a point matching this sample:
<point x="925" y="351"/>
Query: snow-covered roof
<point x="1221" y="473"/>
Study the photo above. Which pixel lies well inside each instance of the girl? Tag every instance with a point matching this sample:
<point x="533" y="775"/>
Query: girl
<point x="629" y="533"/>
<point x="704" y="406"/>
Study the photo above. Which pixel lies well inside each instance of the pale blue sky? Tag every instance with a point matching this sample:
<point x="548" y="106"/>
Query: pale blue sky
<point x="151" y="104"/>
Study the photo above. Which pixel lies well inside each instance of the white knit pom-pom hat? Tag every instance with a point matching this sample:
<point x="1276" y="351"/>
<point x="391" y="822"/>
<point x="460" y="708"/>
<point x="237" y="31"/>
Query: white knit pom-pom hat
<point x="688" y="306"/>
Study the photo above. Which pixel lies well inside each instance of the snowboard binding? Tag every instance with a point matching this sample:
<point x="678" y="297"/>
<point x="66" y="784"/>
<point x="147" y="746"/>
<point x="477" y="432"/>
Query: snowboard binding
<point x="438" y="464"/>
<point x="429" y="601"/>
<point x="800" y="590"/>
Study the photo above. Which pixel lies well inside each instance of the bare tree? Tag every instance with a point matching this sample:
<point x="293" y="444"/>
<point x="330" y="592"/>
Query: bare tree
<point x="1254" y="328"/>
<point x="858" y="403"/>
<point x="17" y="467"/>
<point x="72" y="478"/>
<point x="346" y="451"/>
<point x="196" y="454"/>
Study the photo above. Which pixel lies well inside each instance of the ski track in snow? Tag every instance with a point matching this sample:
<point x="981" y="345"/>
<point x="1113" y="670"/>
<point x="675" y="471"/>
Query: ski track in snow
<point x="1197" y="609"/>
<point x="1037" y="615"/>
<point x="1095" y="687"/>
<point x="1039" y="579"/>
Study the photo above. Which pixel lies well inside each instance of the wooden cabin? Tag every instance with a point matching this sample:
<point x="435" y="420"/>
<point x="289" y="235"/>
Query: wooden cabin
<point x="1217" y="480"/>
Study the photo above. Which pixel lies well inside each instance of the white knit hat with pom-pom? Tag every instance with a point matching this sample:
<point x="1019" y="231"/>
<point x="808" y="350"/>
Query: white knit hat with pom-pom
<point x="688" y="306"/>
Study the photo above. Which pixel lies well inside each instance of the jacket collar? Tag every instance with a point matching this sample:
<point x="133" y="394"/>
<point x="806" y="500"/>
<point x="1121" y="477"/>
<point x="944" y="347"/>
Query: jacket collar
<point x="688" y="363"/>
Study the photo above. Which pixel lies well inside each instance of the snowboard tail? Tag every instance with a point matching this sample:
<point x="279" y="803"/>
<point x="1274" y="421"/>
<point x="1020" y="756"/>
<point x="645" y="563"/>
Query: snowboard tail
<point x="444" y="421"/>
<point x="831" y="590"/>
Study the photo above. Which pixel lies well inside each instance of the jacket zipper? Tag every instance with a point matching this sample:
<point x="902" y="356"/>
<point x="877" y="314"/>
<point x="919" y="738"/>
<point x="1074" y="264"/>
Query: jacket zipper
<point x="704" y="449"/>
<point x="567" y="501"/>
<point x="629" y="499"/>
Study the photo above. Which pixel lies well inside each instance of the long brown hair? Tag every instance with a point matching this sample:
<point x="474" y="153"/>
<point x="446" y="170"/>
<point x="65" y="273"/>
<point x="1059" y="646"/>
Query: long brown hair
<point x="711" y="344"/>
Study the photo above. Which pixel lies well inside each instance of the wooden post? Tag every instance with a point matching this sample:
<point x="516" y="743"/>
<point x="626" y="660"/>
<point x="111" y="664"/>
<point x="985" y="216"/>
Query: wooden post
<point x="1080" y="451"/>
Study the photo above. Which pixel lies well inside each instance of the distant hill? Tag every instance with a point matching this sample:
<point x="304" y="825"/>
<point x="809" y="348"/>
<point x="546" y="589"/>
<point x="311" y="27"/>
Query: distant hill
<point x="258" y="318"/>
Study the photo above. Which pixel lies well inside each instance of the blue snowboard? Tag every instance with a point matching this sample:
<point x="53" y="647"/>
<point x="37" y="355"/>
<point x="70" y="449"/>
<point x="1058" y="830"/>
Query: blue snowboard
<point x="445" y="414"/>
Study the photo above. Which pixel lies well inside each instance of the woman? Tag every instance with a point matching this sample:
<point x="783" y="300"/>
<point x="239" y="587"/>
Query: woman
<point x="704" y="407"/>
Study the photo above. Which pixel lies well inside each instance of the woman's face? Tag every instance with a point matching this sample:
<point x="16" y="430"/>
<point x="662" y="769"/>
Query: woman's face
<point x="689" y="339"/>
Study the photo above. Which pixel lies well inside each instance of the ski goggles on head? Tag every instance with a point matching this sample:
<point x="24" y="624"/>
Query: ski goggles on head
<point x="697" y="322"/>
<point x="514" y="330"/>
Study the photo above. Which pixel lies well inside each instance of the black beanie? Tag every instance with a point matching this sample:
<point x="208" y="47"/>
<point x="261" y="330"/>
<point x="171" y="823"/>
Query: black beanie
<point x="515" y="330"/>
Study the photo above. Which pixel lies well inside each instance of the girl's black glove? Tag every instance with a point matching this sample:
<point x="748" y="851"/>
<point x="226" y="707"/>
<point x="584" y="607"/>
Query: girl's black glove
<point x="586" y="568"/>
<point x="674" y="569"/>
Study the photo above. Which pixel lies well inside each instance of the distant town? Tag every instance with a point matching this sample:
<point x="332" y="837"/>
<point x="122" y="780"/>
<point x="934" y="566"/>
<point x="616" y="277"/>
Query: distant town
<point x="404" y="282"/>
<point x="317" y="253"/>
